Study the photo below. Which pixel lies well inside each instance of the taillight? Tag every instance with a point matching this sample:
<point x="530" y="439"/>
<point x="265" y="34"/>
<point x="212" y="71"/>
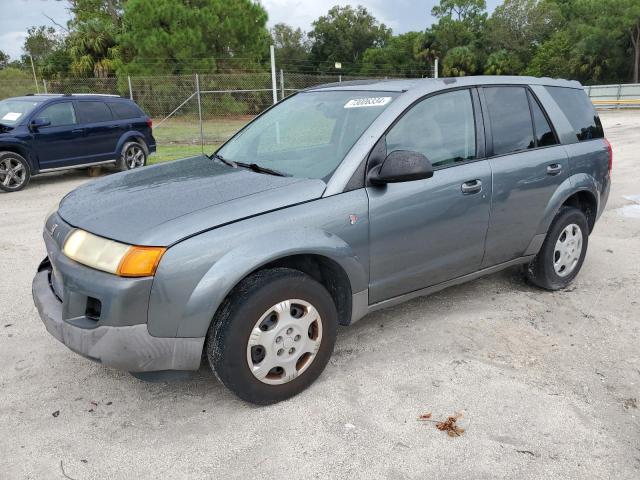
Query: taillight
<point x="149" y="123"/>
<point x="610" y="150"/>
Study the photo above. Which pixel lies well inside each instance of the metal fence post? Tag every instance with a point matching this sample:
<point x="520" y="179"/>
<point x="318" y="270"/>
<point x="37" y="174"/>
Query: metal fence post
<point x="618" y="96"/>
<point x="130" y="89"/>
<point x="435" y="68"/>
<point x="281" y="85"/>
<point x="200" y="111"/>
<point x="272" y="51"/>
<point x="44" y="85"/>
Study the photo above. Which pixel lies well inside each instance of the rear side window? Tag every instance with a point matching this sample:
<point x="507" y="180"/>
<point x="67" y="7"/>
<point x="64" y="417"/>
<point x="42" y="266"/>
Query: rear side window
<point x="94" y="112"/>
<point x="59" y="114"/>
<point x="579" y="111"/>
<point x="543" y="131"/>
<point x="510" y="119"/>
<point x="125" y="111"/>
<point x="441" y="127"/>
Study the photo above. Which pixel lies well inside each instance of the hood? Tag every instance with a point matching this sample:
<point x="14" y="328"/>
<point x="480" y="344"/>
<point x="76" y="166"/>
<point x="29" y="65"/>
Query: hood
<point x="162" y="204"/>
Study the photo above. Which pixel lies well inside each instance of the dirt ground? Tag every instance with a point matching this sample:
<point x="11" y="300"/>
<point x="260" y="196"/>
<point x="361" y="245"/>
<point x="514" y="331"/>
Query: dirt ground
<point x="549" y="383"/>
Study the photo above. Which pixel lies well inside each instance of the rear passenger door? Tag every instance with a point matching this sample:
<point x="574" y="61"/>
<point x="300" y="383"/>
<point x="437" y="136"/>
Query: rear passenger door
<point x="528" y="164"/>
<point x="101" y="131"/>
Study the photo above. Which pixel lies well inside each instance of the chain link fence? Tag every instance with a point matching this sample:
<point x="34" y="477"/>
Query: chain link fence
<point x="192" y="113"/>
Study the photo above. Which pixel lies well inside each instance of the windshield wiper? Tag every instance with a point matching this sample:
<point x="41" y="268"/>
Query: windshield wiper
<point x="257" y="168"/>
<point x="5" y="127"/>
<point x="231" y="163"/>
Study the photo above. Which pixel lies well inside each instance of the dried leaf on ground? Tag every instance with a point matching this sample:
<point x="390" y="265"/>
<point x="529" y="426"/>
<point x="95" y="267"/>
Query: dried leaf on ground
<point x="449" y="426"/>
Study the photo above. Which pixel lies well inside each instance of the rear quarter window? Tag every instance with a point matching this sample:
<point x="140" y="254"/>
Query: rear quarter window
<point x="94" y="112"/>
<point x="125" y="111"/>
<point x="579" y="111"/>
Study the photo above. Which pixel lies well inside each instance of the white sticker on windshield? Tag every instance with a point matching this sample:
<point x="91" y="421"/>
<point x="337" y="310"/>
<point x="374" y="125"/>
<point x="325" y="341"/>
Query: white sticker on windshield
<point x="12" y="116"/>
<point x="367" y="102"/>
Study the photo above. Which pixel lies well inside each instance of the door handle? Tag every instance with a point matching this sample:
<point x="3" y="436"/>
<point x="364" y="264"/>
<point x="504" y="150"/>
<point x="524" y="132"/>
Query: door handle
<point x="554" y="169"/>
<point x="78" y="130"/>
<point x="472" y="186"/>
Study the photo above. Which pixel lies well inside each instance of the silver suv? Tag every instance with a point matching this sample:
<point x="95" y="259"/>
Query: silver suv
<point x="340" y="200"/>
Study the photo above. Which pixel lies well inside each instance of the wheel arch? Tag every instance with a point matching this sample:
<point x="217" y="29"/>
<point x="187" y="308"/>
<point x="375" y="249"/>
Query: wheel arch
<point x="325" y="271"/>
<point x="189" y="311"/>
<point x="578" y="191"/>
<point x="23" y="151"/>
<point x="132" y="135"/>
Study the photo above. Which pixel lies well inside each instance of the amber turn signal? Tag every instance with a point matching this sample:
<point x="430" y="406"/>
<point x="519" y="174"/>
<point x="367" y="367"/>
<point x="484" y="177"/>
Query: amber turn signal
<point x="140" y="261"/>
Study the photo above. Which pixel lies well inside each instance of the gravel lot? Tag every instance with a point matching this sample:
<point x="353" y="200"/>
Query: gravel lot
<point x="548" y="382"/>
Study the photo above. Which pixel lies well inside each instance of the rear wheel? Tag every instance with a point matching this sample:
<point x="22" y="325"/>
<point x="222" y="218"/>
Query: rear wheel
<point x="562" y="252"/>
<point x="14" y="172"/>
<point x="134" y="155"/>
<point x="273" y="336"/>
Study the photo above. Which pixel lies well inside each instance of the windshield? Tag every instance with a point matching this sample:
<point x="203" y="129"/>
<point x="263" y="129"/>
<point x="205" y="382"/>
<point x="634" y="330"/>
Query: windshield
<point x="13" y="112"/>
<point x="309" y="134"/>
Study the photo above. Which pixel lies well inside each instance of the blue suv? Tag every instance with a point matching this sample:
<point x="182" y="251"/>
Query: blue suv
<point x="45" y="133"/>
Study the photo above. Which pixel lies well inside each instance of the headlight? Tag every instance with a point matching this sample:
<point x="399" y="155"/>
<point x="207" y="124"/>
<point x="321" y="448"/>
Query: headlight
<point x="113" y="257"/>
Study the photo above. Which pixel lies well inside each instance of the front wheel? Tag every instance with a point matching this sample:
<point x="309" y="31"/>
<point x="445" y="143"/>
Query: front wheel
<point x="14" y="172"/>
<point x="273" y="336"/>
<point x="562" y="254"/>
<point x="134" y="155"/>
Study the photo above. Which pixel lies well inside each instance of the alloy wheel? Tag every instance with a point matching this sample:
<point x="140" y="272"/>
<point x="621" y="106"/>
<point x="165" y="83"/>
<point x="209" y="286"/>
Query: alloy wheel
<point x="12" y="173"/>
<point x="134" y="156"/>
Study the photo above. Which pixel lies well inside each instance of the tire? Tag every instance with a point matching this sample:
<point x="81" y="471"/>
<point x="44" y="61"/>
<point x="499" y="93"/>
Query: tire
<point x="257" y="316"/>
<point x="134" y="155"/>
<point x="15" y="172"/>
<point x="558" y="263"/>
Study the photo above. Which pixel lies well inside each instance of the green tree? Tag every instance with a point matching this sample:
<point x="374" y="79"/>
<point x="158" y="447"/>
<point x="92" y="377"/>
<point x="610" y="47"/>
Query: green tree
<point x="520" y="26"/>
<point x="174" y="36"/>
<point x="88" y="10"/>
<point x="554" y="57"/>
<point x="459" y="62"/>
<point x="41" y="42"/>
<point x="93" y="37"/>
<point x="343" y="35"/>
<point x="292" y="47"/>
<point x="502" y="62"/>
<point x="620" y="21"/>
<point x="461" y="23"/>
<point x="398" y="57"/>
<point x="48" y="49"/>
<point x="4" y="60"/>
<point x="460" y="10"/>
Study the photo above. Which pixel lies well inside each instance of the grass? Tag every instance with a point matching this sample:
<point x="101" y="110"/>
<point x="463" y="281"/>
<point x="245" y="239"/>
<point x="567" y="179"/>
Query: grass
<point x="180" y="137"/>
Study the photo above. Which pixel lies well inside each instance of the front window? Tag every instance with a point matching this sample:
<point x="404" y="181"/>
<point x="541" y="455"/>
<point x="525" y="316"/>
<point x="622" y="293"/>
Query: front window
<point x="309" y="134"/>
<point x="12" y="112"/>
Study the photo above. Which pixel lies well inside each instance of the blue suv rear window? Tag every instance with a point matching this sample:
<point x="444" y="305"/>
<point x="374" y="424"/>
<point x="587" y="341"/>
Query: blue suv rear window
<point x="125" y="111"/>
<point x="94" y="112"/>
<point x="579" y="111"/>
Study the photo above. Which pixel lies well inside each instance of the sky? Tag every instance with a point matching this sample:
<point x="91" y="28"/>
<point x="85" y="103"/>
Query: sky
<point x="16" y="16"/>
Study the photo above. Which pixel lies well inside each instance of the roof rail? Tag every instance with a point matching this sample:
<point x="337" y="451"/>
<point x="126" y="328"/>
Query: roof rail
<point x="90" y="94"/>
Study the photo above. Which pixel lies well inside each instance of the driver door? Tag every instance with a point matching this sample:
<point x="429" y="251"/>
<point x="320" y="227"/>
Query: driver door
<point x="429" y="231"/>
<point x="61" y="144"/>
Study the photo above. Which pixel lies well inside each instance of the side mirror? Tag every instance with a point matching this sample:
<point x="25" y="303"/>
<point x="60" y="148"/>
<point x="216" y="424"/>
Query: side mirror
<point x="401" y="166"/>
<point x="39" y="122"/>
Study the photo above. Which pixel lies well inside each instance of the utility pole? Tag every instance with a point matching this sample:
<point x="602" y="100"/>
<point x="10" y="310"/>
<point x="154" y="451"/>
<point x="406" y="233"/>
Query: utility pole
<point x="35" y="78"/>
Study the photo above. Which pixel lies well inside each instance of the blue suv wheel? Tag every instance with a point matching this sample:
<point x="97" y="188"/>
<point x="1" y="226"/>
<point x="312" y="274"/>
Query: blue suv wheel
<point x="14" y="172"/>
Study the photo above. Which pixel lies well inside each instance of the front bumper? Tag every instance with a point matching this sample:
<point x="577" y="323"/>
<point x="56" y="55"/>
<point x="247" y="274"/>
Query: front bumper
<point x="128" y="347"/>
